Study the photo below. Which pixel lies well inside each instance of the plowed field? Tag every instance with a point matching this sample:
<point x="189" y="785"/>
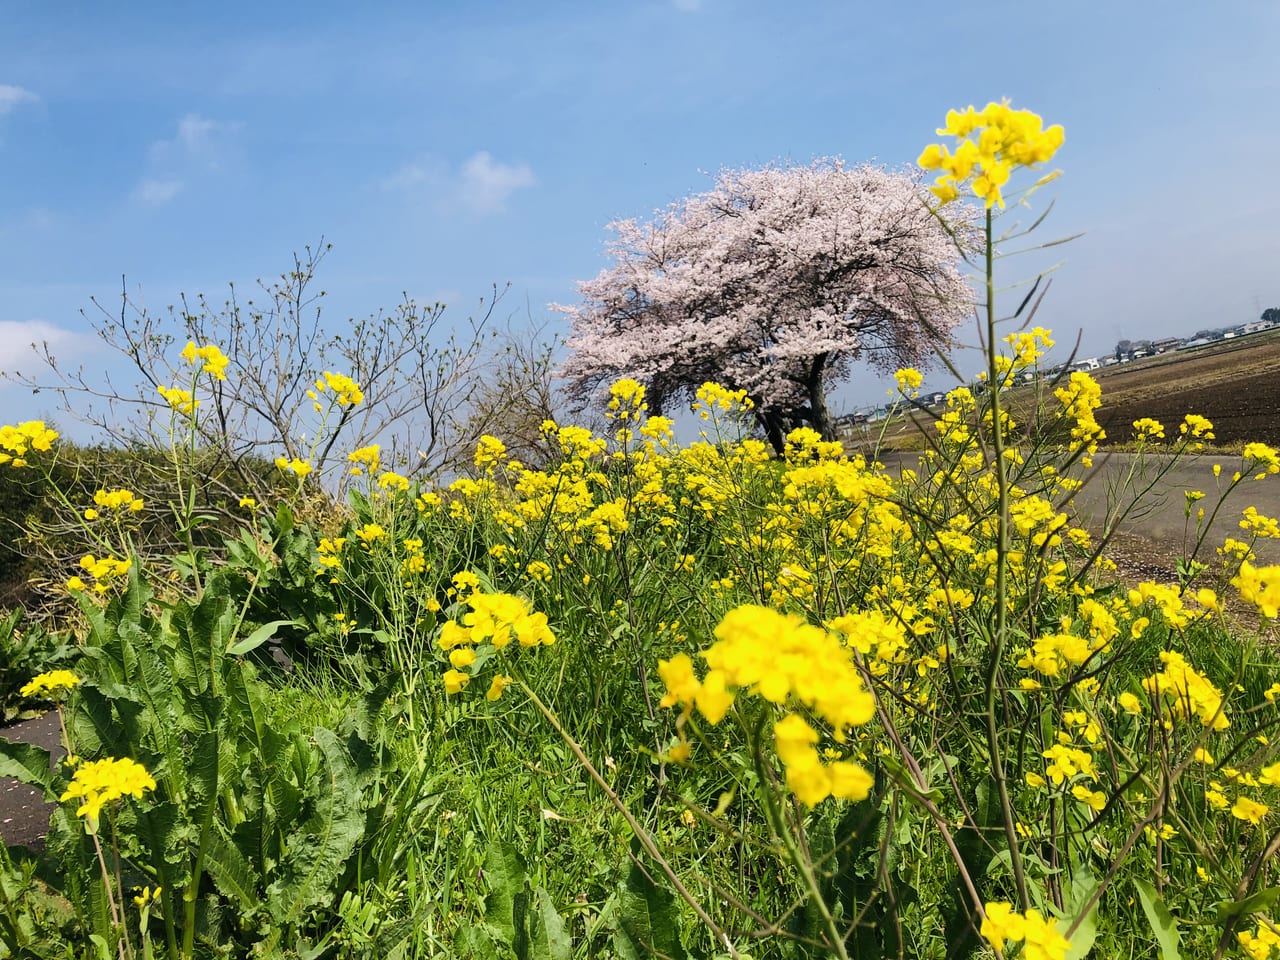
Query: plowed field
<point x="1235" y="383"/>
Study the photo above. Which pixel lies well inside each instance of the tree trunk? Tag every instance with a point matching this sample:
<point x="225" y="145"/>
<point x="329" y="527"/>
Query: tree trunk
<point x="654" y="397"/>
<point x="819" y="415"/>
<point x="772" y="424"/>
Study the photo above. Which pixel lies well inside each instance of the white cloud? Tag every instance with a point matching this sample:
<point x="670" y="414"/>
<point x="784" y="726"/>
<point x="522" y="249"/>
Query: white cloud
<point x="11" y="96"/>
<point x="418" y="173"/>
<point x="157" y="192"/>
<point x="199" y="147"/>
<point x="482" y="185"/>
<point x="17" y="338"/>
<point x="195" y="131"/>
<point x="486" y="184"/>
<point x="197" y="142"/>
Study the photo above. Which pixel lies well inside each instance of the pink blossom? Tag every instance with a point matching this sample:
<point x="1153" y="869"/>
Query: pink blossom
<point x="774" y="281"/>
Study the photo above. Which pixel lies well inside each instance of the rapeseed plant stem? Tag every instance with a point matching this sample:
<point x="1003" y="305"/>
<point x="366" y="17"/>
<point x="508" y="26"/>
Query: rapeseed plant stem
<point x="641" y="834"/>
<point x="999" y="640"/>
<point x="769" y="792"/>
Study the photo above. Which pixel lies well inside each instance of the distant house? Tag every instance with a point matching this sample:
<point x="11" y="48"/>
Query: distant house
<point x="1257" y="326"/>
<point x="1166" y="344"/>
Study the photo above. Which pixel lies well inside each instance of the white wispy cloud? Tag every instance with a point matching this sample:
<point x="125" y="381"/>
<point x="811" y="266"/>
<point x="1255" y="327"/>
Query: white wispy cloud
<point x="11" y="96"/>
<point x="158" y="192"/>
<point x="416" y="174"/>
<point x="199" y="146"/>
<point x="20" y="338"/>
<point x="482" y="185"/>
<point x="486" y="184"/>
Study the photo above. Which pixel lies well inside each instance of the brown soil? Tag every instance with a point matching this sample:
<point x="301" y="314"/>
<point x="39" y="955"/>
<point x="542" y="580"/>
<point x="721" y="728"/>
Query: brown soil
<point x="1235" y="383"/>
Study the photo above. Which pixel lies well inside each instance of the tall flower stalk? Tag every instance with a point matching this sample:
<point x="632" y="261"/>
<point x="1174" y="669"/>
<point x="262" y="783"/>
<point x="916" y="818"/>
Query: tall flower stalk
<point x="991" y="144"/>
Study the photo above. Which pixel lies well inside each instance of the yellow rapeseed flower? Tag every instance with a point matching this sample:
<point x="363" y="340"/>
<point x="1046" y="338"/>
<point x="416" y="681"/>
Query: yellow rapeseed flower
<point x="299" y="468"/>
<point x="100" y="782"/>
<point x="346" y="392"/>
<point x="49" y="683"/>
<point x="1006" y="138"/>
<point x="1260" y="586"/>
<point x="179" y="399"/>
<point x="17" y="442"/>
<point x="1250" y="811"/>
<point x="209" y="358"/>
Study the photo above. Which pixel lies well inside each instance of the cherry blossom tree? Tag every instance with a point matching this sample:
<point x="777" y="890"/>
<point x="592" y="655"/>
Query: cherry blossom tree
<point x="775" y="281"/>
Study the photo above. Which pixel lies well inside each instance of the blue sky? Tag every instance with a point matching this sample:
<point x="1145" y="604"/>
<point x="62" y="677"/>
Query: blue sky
<point x="446" y="147"/>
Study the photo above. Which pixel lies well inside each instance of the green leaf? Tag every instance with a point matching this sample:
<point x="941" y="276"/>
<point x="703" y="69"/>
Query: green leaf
<point x="284" y="519"/>
<point x="1163" y="925"/>
<point x="505" y="870"/>
<point x="1082" y="887"/>
<point x="646" y="919"/>
<point x="257" y="638"/>
<point x="1254" y="903"/>
<point x="318" y="851"/>
<point x="232" y="873"/>
<point x="548" y="939"/>
<point x="476" y="940"/>
<point x="29" y="764"/>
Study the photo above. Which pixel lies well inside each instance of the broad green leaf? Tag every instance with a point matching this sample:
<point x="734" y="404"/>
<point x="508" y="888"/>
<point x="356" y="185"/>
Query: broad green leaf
<point x="1254" y="903"/>
<point x="1082" y="886"/>
<point x="646" y="920"/>
<point x="257" y="638"/>
<point x="29" y="764"/>
<point x="477" y="940"/>
<point x="1163" y="925"/>
<point x="232" y="873"/>
<point x="505" y="871"/>
<point x="548" y="939"/>
<point x="317" y="852"/>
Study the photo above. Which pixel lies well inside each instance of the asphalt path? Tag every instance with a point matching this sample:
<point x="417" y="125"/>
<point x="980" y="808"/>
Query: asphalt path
<point x="1159" y="522"/>
<point x="1161" y="518"/>
<point x="24" y="816"/>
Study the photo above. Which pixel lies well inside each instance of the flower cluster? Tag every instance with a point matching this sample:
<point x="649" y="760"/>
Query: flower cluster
<point x="364" y="459"/>
<point x="1029" y="346"/>
<point x="780" y="657"/>
<point x="908" y="380"/>
<point x="49" y="683"/>
<point x="16" y="442"/>
<point x="490" y="452"/>
<point x="116" y="502"/>
<point x="496" y="619"/>
<point x="99" y="782"/>
<point x="346" y="392"/>
<point x="210" y="360"/>
<point x="1148" y="428"/>
<point x="1040" y="936"/>
<point x="179" y="399"/>
<point x="1261" y="943"/>
<point x="1260" y="586"/>
<point x="626" y="400"/>
<point x="1006" y="138"/>
<point x="1186" y="692"/>
<point x="105" y="571"/>
<point x="1080" y="399"/>
<point x="299" y="468"/>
